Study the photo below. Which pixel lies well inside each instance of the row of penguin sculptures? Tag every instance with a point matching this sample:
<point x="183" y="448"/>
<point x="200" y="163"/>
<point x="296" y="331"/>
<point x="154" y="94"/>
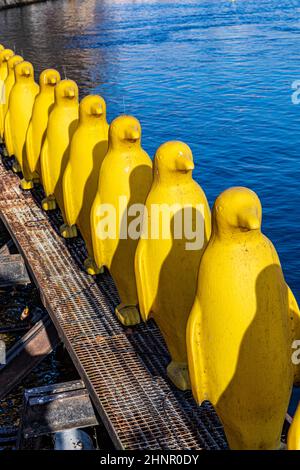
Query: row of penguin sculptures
<point x="225" y="311"/>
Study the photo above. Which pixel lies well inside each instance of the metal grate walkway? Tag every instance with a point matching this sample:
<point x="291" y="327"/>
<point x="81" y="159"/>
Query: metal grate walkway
<point x="123" y="368"/>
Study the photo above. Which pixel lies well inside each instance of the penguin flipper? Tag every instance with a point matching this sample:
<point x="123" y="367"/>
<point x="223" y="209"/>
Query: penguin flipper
<point x="193" y="340"/>
<point x="96" y="241"/>
<point x="67" y="195"/>
<point x="29" y="150"/>
<point x="7" y="135"/>
<point x="2" y="118"/>
<point x="207" y="220"/>
<point x="45" y="170"/>
<point x="294" y="314"/>
<point x="143" y="281"/>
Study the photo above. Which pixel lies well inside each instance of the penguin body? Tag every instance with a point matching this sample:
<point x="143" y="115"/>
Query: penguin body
<point x="80" y="181"/>
<point x="40" y="114"/>
<point x="54" y="157"/>
<point x="18" y="116"/>
<point x="125" y="179"/>
<point x="239" y="334"/>
<point x="8" y="84"/>
<point x="5" y="55"/>
<point x="166" y="271"/>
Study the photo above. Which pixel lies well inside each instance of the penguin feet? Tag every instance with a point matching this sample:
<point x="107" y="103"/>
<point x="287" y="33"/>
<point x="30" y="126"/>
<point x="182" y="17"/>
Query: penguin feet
<point x="68" y="231"/>
<point x="178" y="373"/>
<point x="128" y="315"/>
<point x="16" y="168"/>
<point x="91" y="267"/>
<point x="26" y="184"/>
<point x="49" y="203"/>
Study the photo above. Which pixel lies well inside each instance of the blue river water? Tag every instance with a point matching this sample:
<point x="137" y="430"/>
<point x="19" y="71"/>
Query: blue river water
<point x="217" y="74"/>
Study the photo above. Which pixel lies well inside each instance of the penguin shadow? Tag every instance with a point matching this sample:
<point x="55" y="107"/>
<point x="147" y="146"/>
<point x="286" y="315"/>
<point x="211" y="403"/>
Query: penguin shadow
<point x="126" y="246"/>
<point x="58" y="187"/>
<point x="25" y="159"/>
<point x="177" y="274"/>
<point x="91" y="185"/>
<point x="255" y="366"/>
<point x="25" y="163"/>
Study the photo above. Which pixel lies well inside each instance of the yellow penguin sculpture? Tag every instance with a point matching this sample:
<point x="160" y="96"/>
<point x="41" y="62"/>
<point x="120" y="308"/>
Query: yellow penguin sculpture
<point x="18" y="116"/>
<point x="62" y="124"/>
<point x="166" y="266"/>
<point x="80" y="181"/>
<point x="239" y="332"/>
<point x="5" y="55"/>
<point x="293" y="438"/>
<point x="8" y="84"/>
<point x="125" y="179"/>
<point x="40" y="114"/>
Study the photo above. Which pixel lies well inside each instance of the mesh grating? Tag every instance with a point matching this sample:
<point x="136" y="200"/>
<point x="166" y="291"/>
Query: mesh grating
<point x="124" y="369"/>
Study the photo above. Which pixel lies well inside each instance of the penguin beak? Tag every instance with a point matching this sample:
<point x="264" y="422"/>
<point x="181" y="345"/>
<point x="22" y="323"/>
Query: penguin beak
<point x="26" y="72"/>
<point x="97" y="110"/>
<point x="70" y="93"/>
<point x="53" y="81"/>
<point x="184" y="162"/>
<point x="132" y="134"/>
<point x="250" y="221"/>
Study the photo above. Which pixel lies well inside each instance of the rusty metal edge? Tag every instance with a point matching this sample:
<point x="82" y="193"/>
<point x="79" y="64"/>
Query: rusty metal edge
<point x="15" y="357"/>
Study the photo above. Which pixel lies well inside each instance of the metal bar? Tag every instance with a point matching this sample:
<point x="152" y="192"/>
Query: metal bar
<point x="55" y="408"/>
<point x="8" y="437"/>
<point x="13" y="271"/>
<point x="26" y="354"/>
<point x="11" y="329"/>
<point x="5" y="250"/>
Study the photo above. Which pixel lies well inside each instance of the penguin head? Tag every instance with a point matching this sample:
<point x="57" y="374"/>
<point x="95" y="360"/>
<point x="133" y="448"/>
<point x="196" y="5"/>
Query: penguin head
<point x="125" y="133"/>
<point x="235" y="210"/>
<point x="2" y="47"/>
<point x="173" y="159"/>
<point x="49" y="78"/>
<point x="5" y="55"/>
<point x="24" y="72"/>
<point x="13" y="61"/>
<point x="66" y="93"/>
<point x="92" y="108"/>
